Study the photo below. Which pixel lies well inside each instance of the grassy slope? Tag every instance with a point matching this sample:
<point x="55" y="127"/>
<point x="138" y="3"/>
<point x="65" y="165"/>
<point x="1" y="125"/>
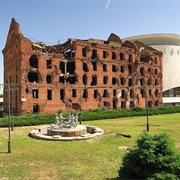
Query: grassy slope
<point x="94" y="159"/>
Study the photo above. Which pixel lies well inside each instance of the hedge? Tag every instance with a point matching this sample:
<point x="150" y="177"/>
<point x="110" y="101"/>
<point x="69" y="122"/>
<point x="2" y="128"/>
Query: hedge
<point x="92" y="114"/>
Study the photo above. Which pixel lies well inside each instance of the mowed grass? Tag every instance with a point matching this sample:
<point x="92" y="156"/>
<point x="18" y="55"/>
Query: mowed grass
<point x="96" y="159"/>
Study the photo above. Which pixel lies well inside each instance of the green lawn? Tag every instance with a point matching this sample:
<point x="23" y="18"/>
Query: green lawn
<point x="93" y="159"/>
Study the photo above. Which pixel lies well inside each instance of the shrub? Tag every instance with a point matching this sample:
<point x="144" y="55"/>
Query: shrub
<point x="151" y="156"/>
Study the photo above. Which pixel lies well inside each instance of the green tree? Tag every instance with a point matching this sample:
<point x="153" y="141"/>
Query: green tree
<point x="153" y="157"/>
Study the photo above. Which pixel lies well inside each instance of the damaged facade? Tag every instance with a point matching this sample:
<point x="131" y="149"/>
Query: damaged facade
<point x="80" y="74"/>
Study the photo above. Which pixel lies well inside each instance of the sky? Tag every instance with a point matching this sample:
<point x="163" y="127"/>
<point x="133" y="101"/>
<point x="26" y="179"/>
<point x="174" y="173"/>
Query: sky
<point x="50" y="21"/>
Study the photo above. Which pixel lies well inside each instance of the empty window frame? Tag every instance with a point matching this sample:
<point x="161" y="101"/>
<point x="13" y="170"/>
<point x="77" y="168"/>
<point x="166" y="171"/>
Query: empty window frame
<point x="122" y="56"/>
<point x="130" y="58"/>
<point x="105" y="67"/>
<point x="122" y="80"/>
<point x="70" y="67"/>
<point x="84" y="78"/>
<point x="73" y="92"/>
<point x="49" y="79"/>
<point x="122" y="68"/>
<point x="49" y="94"/>
<point x="61" y="79"/>
<point x="62" y="94"/>
<point x="132" y="95"/>
<point x="113" y="55"/>
<point x="35" y="108"/>
<point x="33" y="61"/>
<point x="105" y="79"/>
<point x="94" y="54"/>
<point x="130" y="82"/>
<point x="35" y="93"/>
<point x="114" y="68"/>
<point x="96" y="94"/>
<point x="156" y="82"/>
<point x="114" y="80"/>
<point x="85" y="94"/>
<point x="49" y="63"/>
<point x="85" y="67"/>
<point x="155" y="71"/>
<point x="94" y="80"/>
<point x="94" y="64"/>
<point x="142" y="72"/>
<point x="84" y="51"/>
<point x="114" y="92"/>
<point x="105" y="93"/>
<point x="130" y="69"/>
<point x="33" y="77"/>
<point x="62" y="67"/>
<point x="105" y="54"/>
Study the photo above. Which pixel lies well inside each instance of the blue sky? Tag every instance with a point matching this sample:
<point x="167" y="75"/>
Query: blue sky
<point x="52" y="20"/>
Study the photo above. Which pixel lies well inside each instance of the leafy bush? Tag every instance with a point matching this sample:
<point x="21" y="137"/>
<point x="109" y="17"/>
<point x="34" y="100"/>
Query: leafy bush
<point x="152" y="157"/>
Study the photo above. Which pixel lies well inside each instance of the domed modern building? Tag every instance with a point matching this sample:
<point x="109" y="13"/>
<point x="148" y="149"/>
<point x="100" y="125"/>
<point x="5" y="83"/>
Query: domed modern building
<point x="169" y="44"/>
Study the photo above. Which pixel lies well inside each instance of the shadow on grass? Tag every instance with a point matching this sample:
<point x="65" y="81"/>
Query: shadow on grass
<point x="4" y="153"/>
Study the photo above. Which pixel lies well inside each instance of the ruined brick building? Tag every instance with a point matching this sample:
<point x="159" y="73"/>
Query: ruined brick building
<point x="80" y="74"/>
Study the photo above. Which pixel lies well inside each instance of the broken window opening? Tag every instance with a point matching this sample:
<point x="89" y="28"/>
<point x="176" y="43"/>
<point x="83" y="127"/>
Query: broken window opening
<point x="85" y="79"/>
<point x="149" y="81"/>
<point x="130" y="69"/>
<point x="74" y="93"/>
<point x="122" y="56"/>
<point x="62" y="94"/>
<point x="85" y="94"/>
<point x="35" y="93"/>
<point x="113" y="55"/>
<point x="155" y="71"/>
<point x="123" y="104"/>
<point x="105" y="93"/>
<point x="130" y="58"/>
<point x="33" y="61"/>
<point x="155" y="60"/>
<point x="49" y="64"/>
<point x="157" y="103"/>
<point x="61" y="79"/>
<point x="49" y="94"/>
<point x="114" y="92"/>
<point x="143" y="93"/>
<point x="27" y="90"/>
<point x="96" y="94"/>
<point x="114" y="68"/>
<point x="145" y="58"/>
<point x="105" y="79"/>
<point x="85" y="67"/>
<point x="123" y="94"/>
<point x="132" y="95"/>
<point x="62" y="67"/>
<point x="115" y="101"/>
<point x="130" y="82"/>
<point x="122" y="80"/>
<point x="114" y="80"/>
<point x="150" y="93"/>
<point x="94" y="80"/>
<point x="106" y="104"/>
<point x="33" y="77"/>
<point x="71" y="80"/>
<point x="94" y="66"/>
<point x="94" y="54"/>
<point x="70" y="67"/>
<point x="35" y="108"/>
<point x="149" y="70"/>
<point x="132" y="104"/>
<point x="69" y="53"/>
<point x="142" y="82"/>
<point x="122" y="68"/>
<point x="142" y="71"/>
<point x="105" y="54"/>
<point x="105" y="67"/>
<point x="49" y="79"/>
<point x="156" y="93"/>
<point x="84" y="51"/>
<point x="156" y="82"/>
<point x="149" y="103"/>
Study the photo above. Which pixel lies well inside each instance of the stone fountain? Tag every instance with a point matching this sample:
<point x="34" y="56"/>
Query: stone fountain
<point x="66" y="129"/>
